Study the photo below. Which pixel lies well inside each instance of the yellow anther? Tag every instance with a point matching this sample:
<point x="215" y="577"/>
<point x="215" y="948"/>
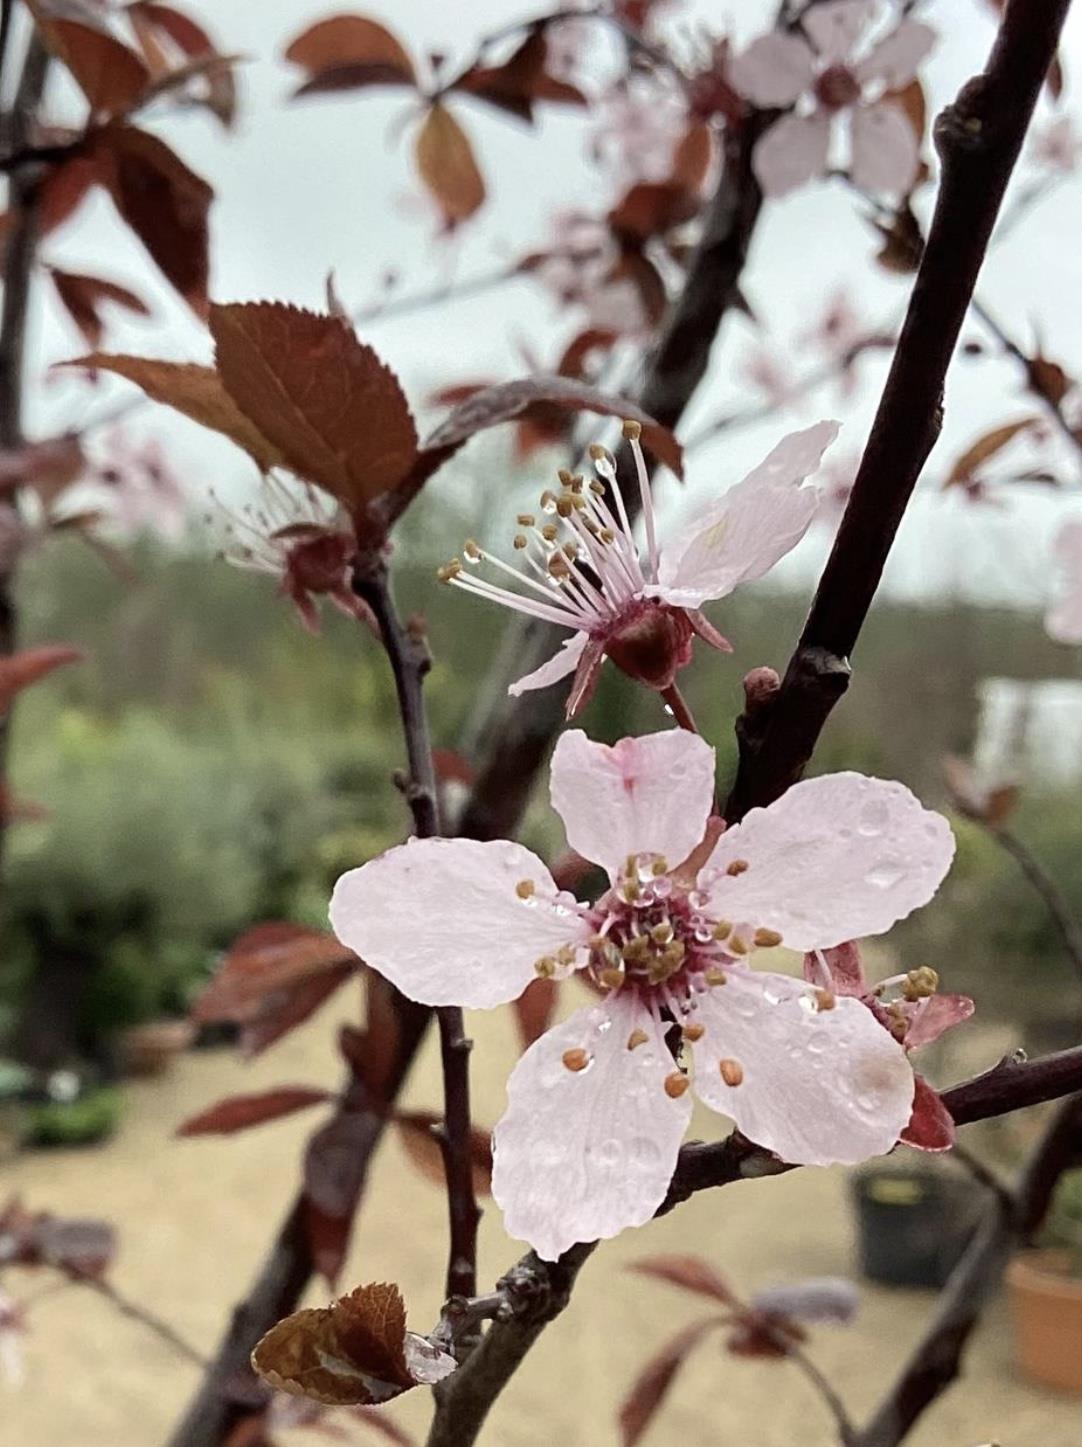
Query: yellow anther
<point x="571" y="550"/>
<point x="631" y="890"/>
<point x="661" y="933"/>
<point x="565" y="955"/>
<point x="766" y="939"/>
<point x="548" y="500"/>
<point x="526" y="520"/>
<point x="597" y="452"/>
<point x="723" y="929"/>
<point x="521" y="541"/>
<point x="613" y="978"/>
<point x="557" y="566"/>
<point x="636" y="950"/>
<point x="632" y="430"/>
<point x="597" y="487"/>
<point x="525" y="888"/>
<point x="660" y="866"/>
<point x="576" y="1059"/>
<point x="737" y="945"/>
<point x="674" y="953"/>
<point x="825" y="999"/>
<point x="576" y="483"/>
<point x="545" y="968"/>
<point x="676" y="1084"/>
<point x="450" y="571"/>
<point x="732" y="1072"/>
<point x="607" y="535"/>
<point x="550" y="532"/>
<point x="472" y="550"/>
<point x="920" y="983"/>
<point x="637" y="1038"/>
<point x="738" y="866"/>
<point x="714" y="976"/>
<point x="565" y="505"/>
<point x="694" y="1031"/>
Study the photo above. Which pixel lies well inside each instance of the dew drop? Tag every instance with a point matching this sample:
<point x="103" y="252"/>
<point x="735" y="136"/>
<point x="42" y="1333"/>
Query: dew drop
<point x="874" y="818"/>
<point x="886" y="874"/>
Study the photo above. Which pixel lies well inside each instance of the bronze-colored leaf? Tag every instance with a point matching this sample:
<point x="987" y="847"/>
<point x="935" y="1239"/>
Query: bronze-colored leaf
<point x="350" y="43"/>
<point x="83" y="295"/>
<point x="29" y="665"/>
<point x="415" y="1130"/>
<point x="448" y="167"/>
<point x="509" y="400"/>
<point x="911" y="100"/>
<point x="902" y="242"/>
<point x="1001" y="803"/>
<point x="195" y="391"/>
<point x="156" y="25"/>
<point x="325" y="400"/>
<point x="692" y="157"/>
<point x="64" y="188"/>
<point x="985" y="447"/>
<point x="163" y="202"/>
<point x="534" y="1009"/>
<point x="356" y="1352"/>
<point x="521" y="81"/>
<point x="1048" y="379"/>
<point x="691" y="1273"/>
<point x="651" y="208"/>
<point x="653" y="1382"/>
<point x="241" y="1112"/>
<point x="110" y="75"/>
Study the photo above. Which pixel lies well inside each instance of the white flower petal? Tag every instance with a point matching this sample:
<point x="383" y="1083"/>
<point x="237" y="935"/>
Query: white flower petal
<point x="834" y="29"/>
<point x="582" y="1154"/>
<point x="793" y="151"/>
<point x="554" y="668"/>
<point x="775" y="70"/>
<point x="886" y="153"/>
<point x="895" y="59"/>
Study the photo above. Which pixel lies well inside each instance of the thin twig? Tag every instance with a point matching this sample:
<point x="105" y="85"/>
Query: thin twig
<point x="451" y="291"/>
<point x="1035" y="380"/>
<point x="979" y="138"/>
<point x="842" y="1420"/>
<point x="1059" y="911"/>
<point x="137" y="1312"/>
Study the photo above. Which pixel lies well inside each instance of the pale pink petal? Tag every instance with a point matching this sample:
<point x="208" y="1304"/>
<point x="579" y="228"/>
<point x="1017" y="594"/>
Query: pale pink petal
<point x="443" y="921"/>
<point x="774" y="70"/>
<point x="886" y="153"/>
<point x="651" y="794"/>
<point x="834" y="859"/>
<point x="1063" y="621"/>
<point x="793" y="151"/>
<point x="744" y="533"/>
<point x="895" y="59"/>
<point x="835" y="29"/>
<point x="557" y="667"/>
<point x="817" y="1086"/>
<point x="582" y="1154"/>
<point x="931" y="1125"/>
<point x="932" y="1016"/>
<point x="839" y="969"/>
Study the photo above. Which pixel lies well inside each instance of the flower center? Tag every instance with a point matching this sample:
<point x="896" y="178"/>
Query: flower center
<point x="837" y="88"/>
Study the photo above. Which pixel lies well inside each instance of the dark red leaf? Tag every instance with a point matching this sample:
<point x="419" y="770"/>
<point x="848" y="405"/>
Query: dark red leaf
<point x="358" y="76"/>
<point x="20" y="670"/>
<point x="64" y="188"/>
<point x="652" y="208"/>
<point x="335" y="1167"/>
<point x="163" y="202"/>
<point x="82" y="296"/>
<point x="240" y="1112"/>
<point x="415" y="1130"/>
<point x="534" y="1010"/>
<point x="110" y="75"/>
<point x="350" y="42"/>
<point x="156" y="24"/>
<point x="654" y="1381"/>
<point x="931" y="1125"/>
<point x="690" y="1272"/>
<point x="520" y="81"/>
<point x="336" y="413"/>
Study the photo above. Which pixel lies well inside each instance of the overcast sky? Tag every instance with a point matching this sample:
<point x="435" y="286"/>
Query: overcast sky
<point x="324" y="184"/>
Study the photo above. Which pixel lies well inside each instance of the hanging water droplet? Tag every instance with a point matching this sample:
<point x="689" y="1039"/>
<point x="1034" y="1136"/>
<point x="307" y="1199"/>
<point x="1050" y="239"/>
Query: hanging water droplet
<point x="886" y="874"/>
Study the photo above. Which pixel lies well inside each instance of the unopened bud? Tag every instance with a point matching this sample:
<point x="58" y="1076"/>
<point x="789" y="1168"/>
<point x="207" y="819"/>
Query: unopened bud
<point x="760" y="686"/>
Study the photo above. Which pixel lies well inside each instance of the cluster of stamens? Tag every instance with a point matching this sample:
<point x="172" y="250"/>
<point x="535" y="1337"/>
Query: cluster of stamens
<point x="913" y="986"/>
<point x="580" y="565"/>
<point x="260" y="536"/>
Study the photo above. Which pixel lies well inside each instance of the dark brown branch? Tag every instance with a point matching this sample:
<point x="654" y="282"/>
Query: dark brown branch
<point x="837" y="1408"/>
<point x="978" y="139"/>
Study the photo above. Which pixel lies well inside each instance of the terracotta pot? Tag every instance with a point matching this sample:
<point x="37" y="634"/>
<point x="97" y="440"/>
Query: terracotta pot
<point x="149" y="1049"/>
<point x="1046" y="1304"/>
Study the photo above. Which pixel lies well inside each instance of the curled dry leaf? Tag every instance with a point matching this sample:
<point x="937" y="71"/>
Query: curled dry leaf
<point x="20" y="670"/>
<point x="110" y="75"/>
<point x="416" y="1131"/>
<point x="241" y="1112"/>
<point x="653" y="1382"/>
<point x="82" y="296"/>
<point x="691" y="1273"/>
<point x="163" y="202"/>
<point x="197" y="392"/>
<point x="447" y="165"/>
<point x="347" y="52"/>
<point x="333" y="410"/>
<point x="355" y="1352"/>
<point x="985" y="447"/>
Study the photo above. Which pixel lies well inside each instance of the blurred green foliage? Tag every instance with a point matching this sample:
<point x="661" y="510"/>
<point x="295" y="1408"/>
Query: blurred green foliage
<point x="211" y="764"/>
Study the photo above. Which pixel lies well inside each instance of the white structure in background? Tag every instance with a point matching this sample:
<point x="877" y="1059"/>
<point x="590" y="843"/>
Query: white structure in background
<point x="1030" y="729"/>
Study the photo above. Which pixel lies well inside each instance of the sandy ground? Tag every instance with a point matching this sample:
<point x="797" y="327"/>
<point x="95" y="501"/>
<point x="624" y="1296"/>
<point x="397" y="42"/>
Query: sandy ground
<point x="195" y="1217"/>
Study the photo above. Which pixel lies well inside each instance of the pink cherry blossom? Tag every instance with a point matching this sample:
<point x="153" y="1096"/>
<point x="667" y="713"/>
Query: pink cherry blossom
<point x="641" y="122"/>
<point x="305" y="540"/>
<point x="140" y="493"/>
<point x="764" y="370"/>
<point x="597" y="1107"/>
<point x="915" y="1014"/>
<point x="583" y="568"/>
<point x="582" y="268"/>
<point x="1057" y="146"/>
<point x="827" y="72"/>
<point x="1063" y="621"/>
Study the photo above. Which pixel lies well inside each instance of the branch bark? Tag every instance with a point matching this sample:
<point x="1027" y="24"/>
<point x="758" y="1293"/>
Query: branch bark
<point x="978" y="139"/>
<point x="1059" y="910"/>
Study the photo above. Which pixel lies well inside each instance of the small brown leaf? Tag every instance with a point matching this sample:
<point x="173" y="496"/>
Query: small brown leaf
<point x="82" y="296"/>
<point x="652" y="208"/>
<point x="64" y="188"/>
<point x="692" y="157"/>
<point x="655" y="1379"/>
<point x="1001" y="803"/>
<point x="902" y="242"/>
<point x="447" y="165"/>
<point x="20" y="670"/>
<point x="534" y="1009"/>
<point x="154" y="24"/>
<point x="912" y="102"/>
<point x="350" y="45"/>
<point x="1048" y="379"/>
<point x="520" y="81"/>
<point x="509" y="400"/>
<point x="163" y="202"/>
<point x="415" y="1130"/>
<point x="110" y="75"/>
<point x="195" y="391"/>
<point x="335" y="411"/>
<point x="985" y="447"/>
<point x="690" y="1272"/>
<point x="241" y="1112"/>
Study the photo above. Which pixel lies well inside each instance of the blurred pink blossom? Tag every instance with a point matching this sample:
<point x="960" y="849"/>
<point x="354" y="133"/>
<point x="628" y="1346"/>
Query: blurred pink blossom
<point x="1063" y="621"/>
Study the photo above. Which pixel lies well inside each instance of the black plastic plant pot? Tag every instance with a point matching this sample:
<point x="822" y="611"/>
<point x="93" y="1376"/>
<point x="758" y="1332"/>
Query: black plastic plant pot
<point x="913" y="1224"/>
